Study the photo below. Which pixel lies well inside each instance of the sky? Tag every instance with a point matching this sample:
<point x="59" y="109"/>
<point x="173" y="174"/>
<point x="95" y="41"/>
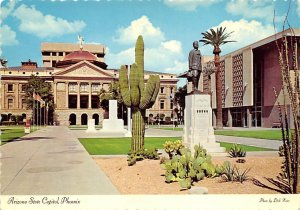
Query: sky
<point x="168" y="27"/>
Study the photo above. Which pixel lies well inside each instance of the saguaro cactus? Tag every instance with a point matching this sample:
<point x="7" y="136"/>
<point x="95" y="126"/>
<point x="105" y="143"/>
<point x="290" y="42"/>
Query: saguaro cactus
<point x="137" y="95"/>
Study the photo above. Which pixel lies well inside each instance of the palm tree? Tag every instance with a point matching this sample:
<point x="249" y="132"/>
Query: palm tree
<point x="217" y="38"/>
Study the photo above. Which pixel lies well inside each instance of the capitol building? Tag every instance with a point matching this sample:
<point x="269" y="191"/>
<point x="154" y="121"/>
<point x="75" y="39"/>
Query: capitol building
<point x="77" y="74"/>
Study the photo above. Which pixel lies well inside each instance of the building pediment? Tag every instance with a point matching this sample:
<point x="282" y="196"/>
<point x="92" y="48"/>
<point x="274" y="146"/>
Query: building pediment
<point x="84" y="69"/>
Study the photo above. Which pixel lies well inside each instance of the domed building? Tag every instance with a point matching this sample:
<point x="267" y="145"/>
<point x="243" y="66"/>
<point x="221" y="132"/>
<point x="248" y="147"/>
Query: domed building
<point x="77" y="74"/>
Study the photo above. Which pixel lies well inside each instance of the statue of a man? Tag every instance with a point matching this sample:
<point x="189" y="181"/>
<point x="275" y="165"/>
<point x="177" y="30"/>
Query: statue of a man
<point x="195" y="67"/>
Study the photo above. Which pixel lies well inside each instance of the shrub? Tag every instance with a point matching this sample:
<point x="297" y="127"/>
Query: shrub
<point x="173" y="148"/>
<point x="233" y="173"/>
<point x="133" y="157"/>
<point x="236" y="151"/>
<point x="186" y="169"/>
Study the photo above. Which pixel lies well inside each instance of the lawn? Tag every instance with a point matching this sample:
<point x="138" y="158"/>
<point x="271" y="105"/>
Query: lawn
<point x="118" y="146"/>
<point x="244" y="147"/>
<point x="10" y="133"/>
<point x="259" y="134"/>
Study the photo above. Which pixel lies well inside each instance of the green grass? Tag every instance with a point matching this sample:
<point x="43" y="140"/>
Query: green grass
<point x="259" y="134"/>
<point x="10" y="133"/>
<point x="82" y="127"/>
<point x="244" y="147"/>
<point x="172" y="129"/>
<point x="119" y="146"/>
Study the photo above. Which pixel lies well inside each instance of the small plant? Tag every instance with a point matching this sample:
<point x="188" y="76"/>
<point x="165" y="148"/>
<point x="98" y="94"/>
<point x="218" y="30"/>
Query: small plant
<point x="173" y="148"/>
<point x="186" y="169"/>
<point x="236" y="151"/>
<point x="241" y="176"/>
<point x="133" y="157"/>
<point x="281" y="151"/>
<point x="228" y="172"/>
<point x="233" y="173"/>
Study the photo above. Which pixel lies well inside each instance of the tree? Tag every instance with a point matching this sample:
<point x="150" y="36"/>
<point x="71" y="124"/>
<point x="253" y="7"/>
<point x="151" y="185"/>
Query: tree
<point x="42" y="88"/>
<point x="179" y="97"/>
<point x="216" y="39"/>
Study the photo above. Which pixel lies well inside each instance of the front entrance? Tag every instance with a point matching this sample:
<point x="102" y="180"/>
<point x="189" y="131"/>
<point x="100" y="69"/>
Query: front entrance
<point x="72" y="119"/>
<point x="96" y="117"/>
<point x="84" y="119"/>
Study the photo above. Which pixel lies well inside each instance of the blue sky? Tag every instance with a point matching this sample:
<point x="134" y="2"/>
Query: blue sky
<point x="168" y="27"/>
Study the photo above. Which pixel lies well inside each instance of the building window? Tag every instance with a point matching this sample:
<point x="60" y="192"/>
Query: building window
<point x="72" y="87"/>
<point x="162" y="89"/>
<point x="10" y="103"/>
<point x="95" y="87"/>
<point x="46" y="53"/>
<point x="84" y="87"/>
<point x="23" y="87"/>
<point x="171" y="90"/>
<point x="60" y="53"/>
<point x="10" y="87"/>
<point x="24" y="104"/>
<point x="162" y="104"/>
<point x="171" y="105"/>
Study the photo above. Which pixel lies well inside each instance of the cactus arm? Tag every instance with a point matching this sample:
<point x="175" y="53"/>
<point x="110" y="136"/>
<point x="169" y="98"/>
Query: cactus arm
<point x="139" y="60"/>
<point x="124" y="89"/>
<point x="149" y="92"/>
<point x="155" y="92"/>
<point x="134" y="85"/>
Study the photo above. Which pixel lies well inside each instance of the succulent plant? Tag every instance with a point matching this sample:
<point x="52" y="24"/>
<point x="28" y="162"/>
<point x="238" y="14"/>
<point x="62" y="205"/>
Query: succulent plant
<point x="186" y="169"/>
<point x="236" y="151"/>
<point x="136" y="95"/>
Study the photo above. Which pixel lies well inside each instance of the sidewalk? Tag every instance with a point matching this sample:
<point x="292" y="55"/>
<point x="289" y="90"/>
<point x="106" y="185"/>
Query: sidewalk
<point x="51" y="161"/>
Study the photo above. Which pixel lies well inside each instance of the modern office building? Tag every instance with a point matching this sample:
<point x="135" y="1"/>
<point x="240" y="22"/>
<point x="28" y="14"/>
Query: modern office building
<point x="76" y="73"/>
<point x="248" y="77"/>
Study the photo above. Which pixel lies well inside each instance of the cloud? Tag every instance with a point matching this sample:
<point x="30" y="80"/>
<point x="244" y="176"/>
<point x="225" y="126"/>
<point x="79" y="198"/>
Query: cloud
<point x="142" y="26"/>
<point x="250" y="9"/>
<point x="298" y="7"/>
<point x="35" y="22"/>
<point x="165" y="57"/>
<point x="160" y="54"/>
<point x="189" y="5"/>
<point x="7" y="9"/>
<point x="244" y="33"/>
<point x="7" y="36"/>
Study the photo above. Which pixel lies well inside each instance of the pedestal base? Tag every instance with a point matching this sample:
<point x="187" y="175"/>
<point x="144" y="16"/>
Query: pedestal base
<point x="198" y="128"/>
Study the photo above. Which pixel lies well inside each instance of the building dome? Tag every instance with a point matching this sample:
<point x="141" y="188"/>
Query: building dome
<point x="80" y="56"/>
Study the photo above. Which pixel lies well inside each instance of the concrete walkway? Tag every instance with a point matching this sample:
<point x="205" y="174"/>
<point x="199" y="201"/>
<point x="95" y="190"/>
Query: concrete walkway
<point x="51" y="161"/>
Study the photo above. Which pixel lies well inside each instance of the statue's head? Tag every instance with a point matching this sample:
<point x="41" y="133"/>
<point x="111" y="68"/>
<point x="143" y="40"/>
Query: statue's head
<point x="195" y="44"/>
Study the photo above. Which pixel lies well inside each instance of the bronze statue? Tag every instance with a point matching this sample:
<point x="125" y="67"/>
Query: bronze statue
<point x="195" y="67"/>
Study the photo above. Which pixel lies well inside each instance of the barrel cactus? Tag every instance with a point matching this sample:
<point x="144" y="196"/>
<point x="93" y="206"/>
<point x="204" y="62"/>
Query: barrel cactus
<point x="137" y="95"/>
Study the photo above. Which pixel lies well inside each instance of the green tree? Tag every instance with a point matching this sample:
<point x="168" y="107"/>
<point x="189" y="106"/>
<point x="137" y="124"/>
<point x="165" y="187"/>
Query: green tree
<point x="179" y="97"/>
<point x="113" y="93"/>
<point x="42" y="88"/>
<point x="216" y="39"/>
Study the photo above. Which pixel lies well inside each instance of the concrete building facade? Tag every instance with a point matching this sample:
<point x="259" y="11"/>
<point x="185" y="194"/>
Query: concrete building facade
<point x="248" y="77"/>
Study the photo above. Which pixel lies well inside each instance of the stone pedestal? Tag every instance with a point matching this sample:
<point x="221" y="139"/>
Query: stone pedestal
<point x="198" y="124"/>
<point x="113" y="126"/>
<point x="91" y="126"/>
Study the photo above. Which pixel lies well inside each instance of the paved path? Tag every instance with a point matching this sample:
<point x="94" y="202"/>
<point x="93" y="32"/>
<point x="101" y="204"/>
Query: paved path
<point x="51" y="161"/>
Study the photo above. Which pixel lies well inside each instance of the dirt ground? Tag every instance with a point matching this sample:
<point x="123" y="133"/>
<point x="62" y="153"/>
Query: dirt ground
<point x="147" y="177"/>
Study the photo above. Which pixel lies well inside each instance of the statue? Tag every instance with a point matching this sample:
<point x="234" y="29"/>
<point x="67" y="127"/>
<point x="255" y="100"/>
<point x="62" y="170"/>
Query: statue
<point x="195" y="67"/>
<point x="81" y="40"/>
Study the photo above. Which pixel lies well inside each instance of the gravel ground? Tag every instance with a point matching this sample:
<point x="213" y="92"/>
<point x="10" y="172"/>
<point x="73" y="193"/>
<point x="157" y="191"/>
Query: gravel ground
<point x="146" y="177"/>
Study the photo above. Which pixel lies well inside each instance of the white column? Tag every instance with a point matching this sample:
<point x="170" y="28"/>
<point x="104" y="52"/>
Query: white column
<point x="54" y="91"/>
<point x="90" y="95"/>
<point x="129" y="119"/>
<point x="78" y="95"/>
<point x="67" y="94"/>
